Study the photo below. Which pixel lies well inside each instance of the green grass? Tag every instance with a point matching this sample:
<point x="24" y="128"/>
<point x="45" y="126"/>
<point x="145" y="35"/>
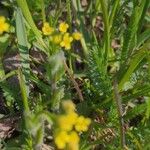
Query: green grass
<point x="107" y="83"/>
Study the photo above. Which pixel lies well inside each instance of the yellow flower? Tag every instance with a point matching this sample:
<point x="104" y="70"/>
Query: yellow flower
<point x="63" y="27"/>
<point x="46" y="29"/>
<point x="61" y="139"/>
<point x="73" y="142"/>
<point x="66" y="41"/>
<point x="82" y="124"/>
<point x="77" y="36"/>
<point x="4" y="27"/>
<point x="68" y="106"/>
<point x="57" y="38"/>
<point x="66" y="122"/>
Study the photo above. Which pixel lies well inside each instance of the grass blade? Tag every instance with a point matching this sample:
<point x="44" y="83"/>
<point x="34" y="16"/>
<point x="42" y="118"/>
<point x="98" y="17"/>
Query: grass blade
<point x="133" y="65"/>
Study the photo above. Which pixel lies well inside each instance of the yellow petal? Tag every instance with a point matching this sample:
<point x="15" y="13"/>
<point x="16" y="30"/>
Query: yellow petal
<point x="62" y="44"/>
<point x="67" y="46"/>
<point x="63" y="27"/>
<point x="61" y="139"/>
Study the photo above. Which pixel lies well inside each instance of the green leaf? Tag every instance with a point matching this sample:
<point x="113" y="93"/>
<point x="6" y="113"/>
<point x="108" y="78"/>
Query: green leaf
<point x="143" y="37"/>
<point x="57" y="95"/>
<point x="147" y="114"/>
<point x="131" y="31"/>
<point x="23" y="46"/>
<point x="145" y="8"/>
<point x="54" y="67"/>
<point x="134" y="62"/>
<point x="25" y="10"/>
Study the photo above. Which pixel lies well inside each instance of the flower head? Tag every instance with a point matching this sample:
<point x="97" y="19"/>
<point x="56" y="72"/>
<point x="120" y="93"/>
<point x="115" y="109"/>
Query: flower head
<point x="68" y="125"/>
<point x="46" y="29"/>
<point x="66" y="42"/>
<point x="4" y="27"/>
<point x="61" y="139"/>
<point x="63" y="27"/>
<point x="66" y="122"/>
<point x="73" y="142"/>
<point x="77" y="35"/>
<point x="82" y="124"/>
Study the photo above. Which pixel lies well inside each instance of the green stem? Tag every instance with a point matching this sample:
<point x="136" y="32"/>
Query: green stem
<point x="113" y="13"/>
<point x="2" y="72"/>
<point x="71" y="76"/>
<point x="70" y="28"/>
<point x="8" y="75"/>
<point x="69" y="12"/>
<point x="70" y="62"/>
<point x="24" y="95"/>
<point x="107" y="51"/>
<point x="43" y="11"/>
<point x="117" y="98"/>
<point x="23" y="91"/>
<point x="84" y="46"/>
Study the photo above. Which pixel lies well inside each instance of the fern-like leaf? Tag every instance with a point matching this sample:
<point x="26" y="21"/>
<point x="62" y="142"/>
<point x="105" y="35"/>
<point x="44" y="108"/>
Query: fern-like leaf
<point x="98" y="72"/>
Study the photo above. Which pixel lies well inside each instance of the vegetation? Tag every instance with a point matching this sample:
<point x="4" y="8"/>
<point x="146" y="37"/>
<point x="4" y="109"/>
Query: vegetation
<point x="74" y="74"/>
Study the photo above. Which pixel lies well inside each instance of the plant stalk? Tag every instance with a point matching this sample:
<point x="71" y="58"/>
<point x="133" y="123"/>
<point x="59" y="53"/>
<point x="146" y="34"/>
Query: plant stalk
<point x="117" y="98"/>
<point x="73" y="81"/>
<point x="23" y="91"/>
<point x="43" y="11"/>
<point x="108" y="51"/>
<point x="113" y="13"/>
<point x="2" y="73"/>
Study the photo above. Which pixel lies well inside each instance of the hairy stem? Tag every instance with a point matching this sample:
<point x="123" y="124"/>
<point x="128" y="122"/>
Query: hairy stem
<point x="73" y="81"/>
<point x="117" y="98"/>
<point x="43" y="11"/>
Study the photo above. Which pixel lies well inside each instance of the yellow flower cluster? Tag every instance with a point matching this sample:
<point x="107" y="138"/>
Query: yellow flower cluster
<point x="68" y="126"/>
<point x="4" y="27"/>
<point x="61" y="37"/>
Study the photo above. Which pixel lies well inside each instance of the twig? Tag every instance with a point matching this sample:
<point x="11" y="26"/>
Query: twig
<point x="120" y="114"/>
<point x="73" y="81"/>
